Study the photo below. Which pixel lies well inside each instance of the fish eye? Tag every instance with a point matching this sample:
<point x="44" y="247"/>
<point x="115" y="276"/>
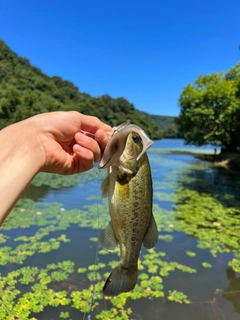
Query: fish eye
<point x="135" y="138"/>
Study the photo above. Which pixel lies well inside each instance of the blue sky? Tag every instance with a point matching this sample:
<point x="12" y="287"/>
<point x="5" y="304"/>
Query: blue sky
<point x="145" y="51"/>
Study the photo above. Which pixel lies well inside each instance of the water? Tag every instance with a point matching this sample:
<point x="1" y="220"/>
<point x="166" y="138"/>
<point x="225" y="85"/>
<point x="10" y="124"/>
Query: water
<point x="72" y="197"/>
<point x="177" y="144"/>
<point x="214" y="292"/>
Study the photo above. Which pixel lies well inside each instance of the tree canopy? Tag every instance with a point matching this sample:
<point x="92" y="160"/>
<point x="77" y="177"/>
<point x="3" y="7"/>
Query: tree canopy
<point x="25" y="91"/>
<point x="210" y="110"/>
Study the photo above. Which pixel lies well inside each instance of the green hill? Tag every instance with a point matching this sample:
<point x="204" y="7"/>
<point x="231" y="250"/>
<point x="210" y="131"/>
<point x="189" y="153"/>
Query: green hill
<point x="25" y="91"/>
<point x="165" y="123"/>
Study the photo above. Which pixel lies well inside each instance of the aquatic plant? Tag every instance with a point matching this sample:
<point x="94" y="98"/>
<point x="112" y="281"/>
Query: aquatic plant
<point x="27" y="290"/>
<point x="56" y="181"/>
<point x="39" y="293"/>
<point x="202" y="216"/>
<point x="206" y="265"/>
<point x="35" y="297"/>
<point x="178" y="297"/>
<point x="190" y="253"/>
<point x="166" y="237"/>
<point x="64" y="315"/>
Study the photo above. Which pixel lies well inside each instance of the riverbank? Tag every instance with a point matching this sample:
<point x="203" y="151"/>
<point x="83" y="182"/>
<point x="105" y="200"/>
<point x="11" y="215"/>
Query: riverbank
<point x="228" y="160"/>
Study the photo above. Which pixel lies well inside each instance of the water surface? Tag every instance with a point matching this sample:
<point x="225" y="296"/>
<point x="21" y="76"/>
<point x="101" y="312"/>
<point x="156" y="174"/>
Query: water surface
<point x="214" y="292"/>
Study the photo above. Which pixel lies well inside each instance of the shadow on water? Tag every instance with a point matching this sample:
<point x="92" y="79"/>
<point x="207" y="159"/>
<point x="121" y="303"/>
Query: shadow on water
<point x="232" y="292"/>
<point x="36" y="193"/>
<point x="222" y="184"/>
<point x="44" y="183"/>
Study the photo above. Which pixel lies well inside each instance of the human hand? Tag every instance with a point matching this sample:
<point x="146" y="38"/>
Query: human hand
<point x="70" y="142"/>
<point x="56" y="142"/>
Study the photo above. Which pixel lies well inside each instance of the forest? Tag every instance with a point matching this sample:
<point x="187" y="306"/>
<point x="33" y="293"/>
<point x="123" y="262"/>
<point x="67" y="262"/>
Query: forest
<point x="25" y="91"/>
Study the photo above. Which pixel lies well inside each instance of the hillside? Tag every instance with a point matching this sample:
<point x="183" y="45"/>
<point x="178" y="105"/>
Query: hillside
<point x="25" y="91"/>
<point x="165" y="123"/>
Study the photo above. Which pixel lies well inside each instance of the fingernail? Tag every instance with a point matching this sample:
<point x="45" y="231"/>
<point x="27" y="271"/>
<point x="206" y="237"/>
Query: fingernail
<point x="81" y="137"/>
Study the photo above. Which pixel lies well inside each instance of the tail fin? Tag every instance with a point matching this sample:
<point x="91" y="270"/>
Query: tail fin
<point x="120" y="280"/>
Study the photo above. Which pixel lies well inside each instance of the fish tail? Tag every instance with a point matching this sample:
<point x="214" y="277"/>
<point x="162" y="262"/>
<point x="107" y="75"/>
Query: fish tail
<point x="120" y="280"/>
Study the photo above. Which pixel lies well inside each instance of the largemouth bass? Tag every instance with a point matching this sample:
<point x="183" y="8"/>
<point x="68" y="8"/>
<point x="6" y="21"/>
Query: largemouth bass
<point x="129" y="189"/>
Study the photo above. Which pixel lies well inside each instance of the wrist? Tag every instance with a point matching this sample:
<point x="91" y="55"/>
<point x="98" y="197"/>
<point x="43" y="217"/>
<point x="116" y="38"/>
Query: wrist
<point x="23" y="145"/>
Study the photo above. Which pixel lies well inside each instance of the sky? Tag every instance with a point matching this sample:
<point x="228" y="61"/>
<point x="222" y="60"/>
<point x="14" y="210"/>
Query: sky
<point x="145" y="51"/>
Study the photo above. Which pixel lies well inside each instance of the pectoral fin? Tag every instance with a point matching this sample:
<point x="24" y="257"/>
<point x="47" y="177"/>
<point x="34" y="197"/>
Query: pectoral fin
<point x="107" y="239"/>
<point x="151" y="237"/>
<point x="104" y="187"/>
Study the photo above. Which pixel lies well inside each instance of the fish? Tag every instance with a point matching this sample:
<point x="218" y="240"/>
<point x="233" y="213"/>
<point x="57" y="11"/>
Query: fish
<point x="128" y="186"/>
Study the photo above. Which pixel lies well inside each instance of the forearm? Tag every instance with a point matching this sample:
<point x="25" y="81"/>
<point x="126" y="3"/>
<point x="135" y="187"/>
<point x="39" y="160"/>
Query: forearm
<point x="20" y="160"/>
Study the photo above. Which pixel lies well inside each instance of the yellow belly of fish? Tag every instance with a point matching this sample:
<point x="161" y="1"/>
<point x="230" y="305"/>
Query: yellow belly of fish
<point x="123" y="190"/>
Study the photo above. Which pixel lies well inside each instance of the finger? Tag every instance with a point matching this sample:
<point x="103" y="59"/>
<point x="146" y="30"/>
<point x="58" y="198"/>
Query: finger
<point x="92" y="124"/>
<point x="102" y="138"/>
<point x="90" y="144"/>
<point x="84" y="157"/>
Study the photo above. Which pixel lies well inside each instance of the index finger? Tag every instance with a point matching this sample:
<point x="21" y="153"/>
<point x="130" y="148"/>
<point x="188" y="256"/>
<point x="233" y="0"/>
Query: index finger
<point x="92" y="124"/>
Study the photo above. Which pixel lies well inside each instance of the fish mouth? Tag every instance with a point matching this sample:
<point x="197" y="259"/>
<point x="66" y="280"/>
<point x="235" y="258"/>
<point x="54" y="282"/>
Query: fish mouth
<point x="113" y="152"/>
<point x="117" y="143"/>
<point x="102" y="166"/>
<point x="147" y="145"/>
<point x="107" y="154"/>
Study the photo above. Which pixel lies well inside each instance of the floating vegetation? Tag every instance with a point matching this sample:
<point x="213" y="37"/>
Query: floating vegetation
<point x="216" y="227"/>
<point x="64" y="315"/>
<point x="56" y="181"/>
<point x="38" y="286"/>
<point x="190" y="253"/>
<point x="38" y="291"/>
<point x="178" y="297"/>
<point x="195" y="222"/>
<point x="166" y="237"/>
<point x="162" y="196"/>
<point x="206" y="265"/>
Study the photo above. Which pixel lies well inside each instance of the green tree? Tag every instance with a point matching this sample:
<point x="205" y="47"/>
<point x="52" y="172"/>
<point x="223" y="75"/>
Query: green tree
<point x="210" y="110"/>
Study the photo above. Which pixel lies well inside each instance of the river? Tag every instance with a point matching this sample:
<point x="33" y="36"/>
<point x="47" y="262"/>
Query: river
<point x="193" y="272"/>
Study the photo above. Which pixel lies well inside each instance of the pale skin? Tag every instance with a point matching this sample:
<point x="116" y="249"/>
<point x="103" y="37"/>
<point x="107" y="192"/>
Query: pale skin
<point x="56" y="142"/>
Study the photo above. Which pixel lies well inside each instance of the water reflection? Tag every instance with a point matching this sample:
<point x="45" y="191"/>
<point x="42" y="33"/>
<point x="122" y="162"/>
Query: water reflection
<point x="232" y="293"/>
<point x="219" y="183"/>
<point x="35" y="193"/>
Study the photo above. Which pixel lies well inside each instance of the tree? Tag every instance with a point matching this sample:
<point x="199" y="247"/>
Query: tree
<point x="210" y="110"/>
